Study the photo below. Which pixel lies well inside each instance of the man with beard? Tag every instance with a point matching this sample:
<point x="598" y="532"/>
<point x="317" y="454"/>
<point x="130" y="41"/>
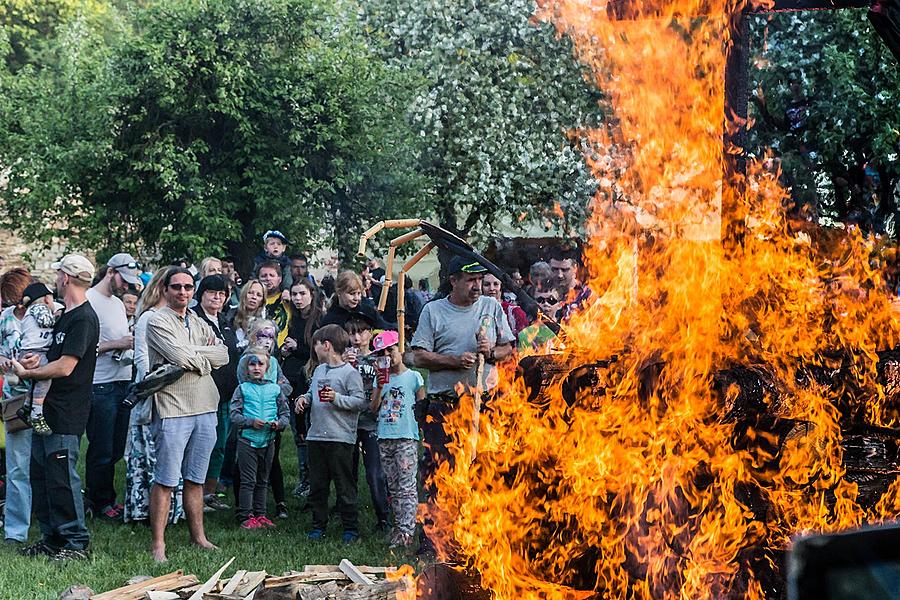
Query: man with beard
<point x="108" y="423"/>
<point x="452" y="332"/>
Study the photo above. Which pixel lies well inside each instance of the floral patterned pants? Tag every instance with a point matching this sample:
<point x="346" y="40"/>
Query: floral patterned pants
<point x="399" y="459"/>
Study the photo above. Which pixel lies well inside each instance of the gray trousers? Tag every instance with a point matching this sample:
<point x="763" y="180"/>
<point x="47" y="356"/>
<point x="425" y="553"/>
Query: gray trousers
<point x="254" y="465"/>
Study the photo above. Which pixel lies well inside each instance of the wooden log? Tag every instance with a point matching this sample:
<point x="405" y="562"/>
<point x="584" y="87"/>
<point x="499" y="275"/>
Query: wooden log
<point x="157" y="595"/>
<point x="362" y="569"/>
<point x="355" y="575"/>
<point x="311" y="577"/>
<point x="141" y="586"/>
<point x="211" y="582"/>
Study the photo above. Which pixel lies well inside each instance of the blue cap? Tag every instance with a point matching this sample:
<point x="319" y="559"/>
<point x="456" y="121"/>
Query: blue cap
<point x="276" y="234"/>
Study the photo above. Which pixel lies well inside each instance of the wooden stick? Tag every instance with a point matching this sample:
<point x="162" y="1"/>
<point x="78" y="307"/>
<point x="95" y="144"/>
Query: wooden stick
<point x="366" y="235"/>
<point x="251" y="582"/>
<point x="355" y="575"/>
<point x="362" y="568"/>
<point x="388" y="278"/>
<point x="211" y="582"/>
<point x="407" y="237"/>
<point x="234" y="582"/>
<point x="401" y="289"/>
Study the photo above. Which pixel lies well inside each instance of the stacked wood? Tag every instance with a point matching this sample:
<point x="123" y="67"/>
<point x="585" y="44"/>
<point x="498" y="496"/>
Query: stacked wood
<point x="345" y="581"/>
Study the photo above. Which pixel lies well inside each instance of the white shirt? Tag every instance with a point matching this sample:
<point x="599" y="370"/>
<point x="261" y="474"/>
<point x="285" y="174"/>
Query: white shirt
<point x="113" y="325"/>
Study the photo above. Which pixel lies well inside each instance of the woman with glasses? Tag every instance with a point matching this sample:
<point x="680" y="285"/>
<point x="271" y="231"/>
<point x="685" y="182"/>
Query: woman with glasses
<point x="211" y="295"/>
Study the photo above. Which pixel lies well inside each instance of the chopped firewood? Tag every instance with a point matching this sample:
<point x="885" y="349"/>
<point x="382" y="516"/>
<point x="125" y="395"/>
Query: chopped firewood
<point x="252" y="581"/>
<point x="272" y="582"/>
<point x="355" y="575"/>
<point x="211" y="582"/>
<point x="362" y="569"/>
<point x="136" y="591"/>
<point x="233" y="583"/>
<point x="156" y="595"/>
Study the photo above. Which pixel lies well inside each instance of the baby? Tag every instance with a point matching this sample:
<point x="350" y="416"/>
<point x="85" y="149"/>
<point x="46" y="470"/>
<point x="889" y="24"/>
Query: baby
<point x="37" y="334"/>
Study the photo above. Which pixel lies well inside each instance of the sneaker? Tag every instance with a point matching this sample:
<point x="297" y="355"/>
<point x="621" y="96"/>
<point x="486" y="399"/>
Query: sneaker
<point x="315" y="535"/>
<point x="265" y="521"/>
<point x="24" y="413"/>
<point x="64" y="554"/>
<point x="350" y="536"/>
<point x="214" y="502"/>
<point x="281" y="511"/>
<point x="40" y="426"/>
<point x="251" y="523"/>
<point x="13" y="543"/>
<point x="40" y="548"/>
<point x="112" y="512"/>
<point x="301" y="490"/>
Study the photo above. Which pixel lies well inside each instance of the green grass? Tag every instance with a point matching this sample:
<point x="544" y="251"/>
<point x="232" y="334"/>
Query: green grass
<point x="120" y="552"/>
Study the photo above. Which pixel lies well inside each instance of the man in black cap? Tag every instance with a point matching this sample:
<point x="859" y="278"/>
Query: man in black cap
<point x="452" y="332"/>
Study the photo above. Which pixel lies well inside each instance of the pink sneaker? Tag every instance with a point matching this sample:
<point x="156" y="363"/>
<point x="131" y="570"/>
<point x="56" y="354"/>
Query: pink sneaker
<point x="264" y="521"/>
<point x="252" y="523"/>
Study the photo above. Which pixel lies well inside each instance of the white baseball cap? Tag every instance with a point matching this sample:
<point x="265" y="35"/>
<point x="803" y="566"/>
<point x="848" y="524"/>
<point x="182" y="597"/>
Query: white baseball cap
<point x="75" y="266"/>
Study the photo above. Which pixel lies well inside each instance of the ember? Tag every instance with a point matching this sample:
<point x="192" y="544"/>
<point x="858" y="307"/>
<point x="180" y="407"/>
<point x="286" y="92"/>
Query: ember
<point x="732" y="395"/>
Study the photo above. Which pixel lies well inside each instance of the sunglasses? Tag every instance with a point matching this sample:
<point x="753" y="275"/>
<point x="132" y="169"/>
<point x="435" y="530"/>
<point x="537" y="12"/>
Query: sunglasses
<point x="188" y="287"/>
<point x="131" y="265"/>
<point x="551" y="300"/>
<point x="255" y="360"/>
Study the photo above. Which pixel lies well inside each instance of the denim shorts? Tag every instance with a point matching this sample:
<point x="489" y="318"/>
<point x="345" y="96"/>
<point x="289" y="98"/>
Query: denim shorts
<point x="183" y="447"/>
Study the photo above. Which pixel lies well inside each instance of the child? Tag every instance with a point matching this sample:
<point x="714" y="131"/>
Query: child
<point x="359" y="328"/>
<point x="335" y="399"/>
<point x="37" y="333"/>
<point x="395" y="397"/>
<point x="258" y="410"/>
<point x="274" y="245"/>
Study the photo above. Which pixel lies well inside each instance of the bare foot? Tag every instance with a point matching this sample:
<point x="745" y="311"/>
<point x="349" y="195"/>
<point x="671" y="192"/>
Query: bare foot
<point x="205" y="544"/>
<point x="158" y="553"/>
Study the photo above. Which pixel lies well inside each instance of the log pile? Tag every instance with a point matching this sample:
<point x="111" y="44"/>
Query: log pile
<point x="345" y="581"/>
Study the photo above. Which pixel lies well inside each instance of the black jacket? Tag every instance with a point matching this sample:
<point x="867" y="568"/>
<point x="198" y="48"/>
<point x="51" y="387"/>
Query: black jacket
<point x="225" y="376"/>
<point x="338" y="315"/>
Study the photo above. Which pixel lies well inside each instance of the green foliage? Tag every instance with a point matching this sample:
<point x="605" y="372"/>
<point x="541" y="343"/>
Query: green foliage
<point x="207" y="124"/>
<point x="850" y="83"/>
<point x="501" y="95"/>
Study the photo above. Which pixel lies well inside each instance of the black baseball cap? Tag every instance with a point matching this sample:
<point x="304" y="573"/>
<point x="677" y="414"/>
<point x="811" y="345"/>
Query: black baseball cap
<point x="458" y="264"/>
<point x="33" y="292"/>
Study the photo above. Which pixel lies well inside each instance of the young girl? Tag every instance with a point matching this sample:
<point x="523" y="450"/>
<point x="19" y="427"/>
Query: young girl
<point x="262" y="335"/>
<point x="259" y="411"/>
<point x="396" y="393"/>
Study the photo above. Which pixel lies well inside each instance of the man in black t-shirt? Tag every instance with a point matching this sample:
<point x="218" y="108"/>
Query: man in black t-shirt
<point x="56" y="487"/>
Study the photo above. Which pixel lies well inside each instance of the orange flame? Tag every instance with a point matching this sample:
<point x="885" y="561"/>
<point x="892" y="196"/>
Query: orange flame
<point x="644" y="487"/>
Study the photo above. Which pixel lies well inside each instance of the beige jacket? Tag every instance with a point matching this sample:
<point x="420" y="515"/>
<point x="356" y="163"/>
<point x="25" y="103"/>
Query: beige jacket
<point x="197" y="350"/>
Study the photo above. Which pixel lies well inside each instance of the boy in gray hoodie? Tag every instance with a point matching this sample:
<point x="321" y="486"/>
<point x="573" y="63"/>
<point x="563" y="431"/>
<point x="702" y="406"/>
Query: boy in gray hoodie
<point x="335" y="399"/>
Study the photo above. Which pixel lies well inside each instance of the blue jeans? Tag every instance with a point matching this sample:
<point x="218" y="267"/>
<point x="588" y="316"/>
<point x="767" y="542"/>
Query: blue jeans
<point x="107" y="430"/>
<point x="18" y="485"/>
<point x="368" y="441"/>
<point x="58" y="505"/>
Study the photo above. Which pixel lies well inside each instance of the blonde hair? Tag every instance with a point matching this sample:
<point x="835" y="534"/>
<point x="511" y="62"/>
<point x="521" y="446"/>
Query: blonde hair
<point x="153" y="292"/>
<point x="204" y="264"/>
<point x="347" y="282"/>
<point x="242" y="317"/>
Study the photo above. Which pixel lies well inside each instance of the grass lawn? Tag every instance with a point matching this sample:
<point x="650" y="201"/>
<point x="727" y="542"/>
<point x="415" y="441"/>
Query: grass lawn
<point x="120" y="552"/>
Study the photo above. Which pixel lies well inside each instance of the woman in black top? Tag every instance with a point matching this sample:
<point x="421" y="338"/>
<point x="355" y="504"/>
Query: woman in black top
<point x="296" y="352"/>
<point x="348" y="301"/>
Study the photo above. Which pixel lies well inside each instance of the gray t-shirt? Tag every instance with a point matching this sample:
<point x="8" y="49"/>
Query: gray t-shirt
<point x="336" y="421"/>
<point x="113" y="325"/>
<point x="446" y="328"/>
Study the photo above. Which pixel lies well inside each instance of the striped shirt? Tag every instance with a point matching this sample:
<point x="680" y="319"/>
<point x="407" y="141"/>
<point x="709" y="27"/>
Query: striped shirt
<point x="191" y="344"/>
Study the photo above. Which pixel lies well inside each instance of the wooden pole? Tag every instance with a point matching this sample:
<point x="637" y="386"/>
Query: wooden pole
<point x="401" y="288"/>
<point x="366" y="235"/>
<point x="388" y="278"/>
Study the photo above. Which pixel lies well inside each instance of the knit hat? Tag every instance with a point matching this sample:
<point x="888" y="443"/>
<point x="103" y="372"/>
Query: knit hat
<point x="386" y="339"/>
<point x="34" y="292"/>
<point x="211" y="283"/>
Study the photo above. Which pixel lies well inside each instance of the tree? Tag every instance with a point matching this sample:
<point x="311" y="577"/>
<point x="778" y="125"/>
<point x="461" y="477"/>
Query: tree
<point x="500" y="100"/>
<point x="828" y="104"/>
<point x="204" y="125"/>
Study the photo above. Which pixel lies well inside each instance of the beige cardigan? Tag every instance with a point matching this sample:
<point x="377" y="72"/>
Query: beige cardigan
<point x="197" y="350"/>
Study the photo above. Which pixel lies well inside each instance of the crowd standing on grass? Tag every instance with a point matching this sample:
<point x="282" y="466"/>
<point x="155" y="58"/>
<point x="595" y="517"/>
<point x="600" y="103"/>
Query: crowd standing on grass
<point x="193" y="374"/>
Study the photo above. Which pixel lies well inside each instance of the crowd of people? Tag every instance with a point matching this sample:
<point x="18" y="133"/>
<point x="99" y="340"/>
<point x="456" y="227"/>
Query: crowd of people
<point x="230" y="364"/>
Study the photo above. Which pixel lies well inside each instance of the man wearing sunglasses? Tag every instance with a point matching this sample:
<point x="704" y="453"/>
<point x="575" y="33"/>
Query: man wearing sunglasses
<point x="184" y="412"/>
<point x="108" y="423"/>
